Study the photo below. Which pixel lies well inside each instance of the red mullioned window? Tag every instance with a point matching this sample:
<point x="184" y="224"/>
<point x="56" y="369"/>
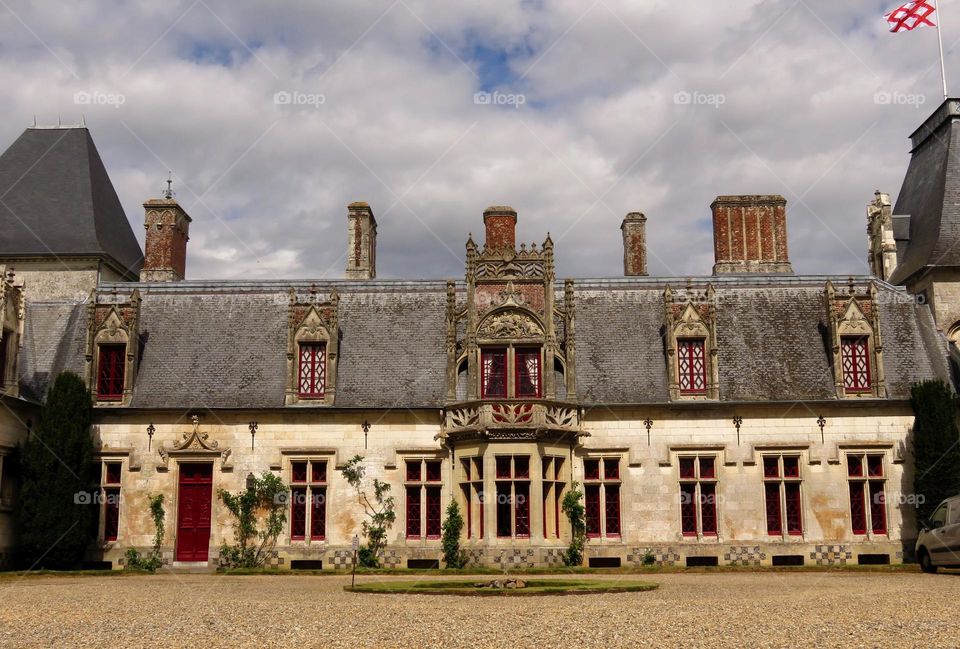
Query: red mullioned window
<point x="868" y="504"/>
<point x="698" y="496"/>
<point x="434" y="512"/>
<point x="111" y="501"/>
<point x="413" y="512"/>
<point x="513" y="496"/>
<point x="692" y="366"/>
<point x="110" y="372"/>
<point x="308" y="500"/>
<point x="602" y="496"/>
<point x="784" y="505"/>
<point x="855" y="361"/>
<point x="424" y="515"/>
<point x="527" y="373"/>
<point x="313" y="369"/>
<point x="493" y="373"/>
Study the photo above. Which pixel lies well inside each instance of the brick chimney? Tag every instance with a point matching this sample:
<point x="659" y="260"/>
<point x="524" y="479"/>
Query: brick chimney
<point x="361" y="242"/>
<point x="750" y="235"/>
<point x="168" y="230"/>
<point x="634" y="229"/>
<point x="501" y="224"/>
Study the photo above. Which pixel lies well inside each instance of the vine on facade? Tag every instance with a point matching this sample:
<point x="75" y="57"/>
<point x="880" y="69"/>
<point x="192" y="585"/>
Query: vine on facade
<point x="266" y="494"/>
<point x="380" y="512"/>
<point x="572" y="506"/>
<point x="153" y="561"/>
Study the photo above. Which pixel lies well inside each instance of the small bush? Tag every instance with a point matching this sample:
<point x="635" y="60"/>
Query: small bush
<point x="453" y="556"/>
<point x="572" y="506"/>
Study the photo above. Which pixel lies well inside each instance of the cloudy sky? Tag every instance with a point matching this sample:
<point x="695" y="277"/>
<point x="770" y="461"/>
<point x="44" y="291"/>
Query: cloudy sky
<point x="274" y="115"/>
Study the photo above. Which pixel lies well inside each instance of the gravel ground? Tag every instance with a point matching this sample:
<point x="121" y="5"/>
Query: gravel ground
<point x="693" y="609"/>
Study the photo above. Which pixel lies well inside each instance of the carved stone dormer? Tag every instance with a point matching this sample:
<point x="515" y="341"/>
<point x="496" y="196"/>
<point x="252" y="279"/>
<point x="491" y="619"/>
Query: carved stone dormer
<point x="11" y="330"/>
<point x="691" y="343"/>
<point x="511" y="306"/>
<point x="113" y="346"/>
<point x="313" y="343"/>
<point x="194" y="445"/>
<point x="855" y="340"/>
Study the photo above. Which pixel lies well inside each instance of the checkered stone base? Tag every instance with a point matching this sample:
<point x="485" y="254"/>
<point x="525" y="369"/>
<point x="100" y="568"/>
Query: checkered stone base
<point x="744" y="555"/>
<point x="342" y="559"/>
<point x="274" y="560"/>
<point x="831" y="555"/>
<point x="391" y="559"/>
<point x="516" y="558"/>
<point x="474" y="557"/>
<point x="661" y="556"/>
<point x="636" y="555"/>
<point x="553" y="557"/>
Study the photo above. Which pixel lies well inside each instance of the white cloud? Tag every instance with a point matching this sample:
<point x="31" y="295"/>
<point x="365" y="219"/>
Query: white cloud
<point x="267" y="185"/>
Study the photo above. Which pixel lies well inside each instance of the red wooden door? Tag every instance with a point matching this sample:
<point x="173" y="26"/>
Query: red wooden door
<point x="193" y="512"/>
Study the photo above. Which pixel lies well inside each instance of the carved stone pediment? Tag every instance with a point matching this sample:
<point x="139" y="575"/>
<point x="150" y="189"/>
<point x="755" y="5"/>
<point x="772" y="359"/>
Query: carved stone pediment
<point x="509" y="325"/>
<point x="511" y="420"/>
<point x="192" y="444"/>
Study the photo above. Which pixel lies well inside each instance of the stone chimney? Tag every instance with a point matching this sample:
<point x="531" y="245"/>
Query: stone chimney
<point x="634" y="229"/>
<point x="501" y="224"/>
<point x="882" y="253"/>
<point x="168" y="230"/>
<point x="750" y="235"/>
<point x="361" y="242"/>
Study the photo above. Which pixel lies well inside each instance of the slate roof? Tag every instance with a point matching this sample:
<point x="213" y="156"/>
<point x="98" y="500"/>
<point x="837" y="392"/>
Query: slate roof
<point x="223" y="344"/>
<point x="930" y="195"/>
<point x="58" y="200"/>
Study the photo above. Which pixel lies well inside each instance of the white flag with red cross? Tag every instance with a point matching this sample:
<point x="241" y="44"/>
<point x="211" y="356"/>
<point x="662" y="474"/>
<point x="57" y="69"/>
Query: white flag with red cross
<point x="911" y="15"/>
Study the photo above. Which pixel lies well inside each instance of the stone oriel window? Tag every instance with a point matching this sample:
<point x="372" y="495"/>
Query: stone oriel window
<point x="312" y="349"/>
<point x="868" y="504"/>
<point x="782" y="498"/>
<point x="493" y="368"/>
<point x="601" y="488"/>
<point x="554" y="483"/>
<point x="513" y="496"/>
<point x="471" y="489"/>
<point x="308" y="499"/>
<point x="511" y="372"/>
<point x="698" y="495"/>
<point x="423" y="488"/>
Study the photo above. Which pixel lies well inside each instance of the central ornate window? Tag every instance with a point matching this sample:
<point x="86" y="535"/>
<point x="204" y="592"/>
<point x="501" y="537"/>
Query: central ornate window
<point x="513" y="496"/>
<point x="313" y="370"/>
<point x="524" y="382"/>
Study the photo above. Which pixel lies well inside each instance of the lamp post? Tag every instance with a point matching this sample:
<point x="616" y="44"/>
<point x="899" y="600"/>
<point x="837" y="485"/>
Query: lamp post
<point x="151" y="429"/>
<point x="366" y="429"/>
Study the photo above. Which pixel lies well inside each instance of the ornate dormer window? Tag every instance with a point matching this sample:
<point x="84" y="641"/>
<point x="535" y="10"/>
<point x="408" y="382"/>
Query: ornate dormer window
<point x="113" y="346"/>
<point x="691" y="325"/>
<point x="11" y="327"/>
<point x="312" y="346"/>
<point x="511" y="355"/>
<point x="854" y="329"/>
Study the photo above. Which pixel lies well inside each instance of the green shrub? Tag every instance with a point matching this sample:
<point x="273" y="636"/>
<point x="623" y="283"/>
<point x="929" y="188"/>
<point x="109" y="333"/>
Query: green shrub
<point x="152" y="562"/>
<point x="935" y="445"/>
<point x="453" y="556"/>
<point x="379" y="511"/>
<point x="253" y="545"/>
<point x="572" y="506"/>
<point x="57" y="514"/>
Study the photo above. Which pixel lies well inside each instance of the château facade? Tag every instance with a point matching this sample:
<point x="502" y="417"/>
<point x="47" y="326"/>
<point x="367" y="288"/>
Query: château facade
<point x="749" y="417"/>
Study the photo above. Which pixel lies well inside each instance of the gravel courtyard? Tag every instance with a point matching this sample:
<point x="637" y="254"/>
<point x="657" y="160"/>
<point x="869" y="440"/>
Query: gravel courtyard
<point x="694" y="609"/>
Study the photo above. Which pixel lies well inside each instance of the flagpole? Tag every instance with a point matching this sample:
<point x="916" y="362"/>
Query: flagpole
<point x="943" y="67"/>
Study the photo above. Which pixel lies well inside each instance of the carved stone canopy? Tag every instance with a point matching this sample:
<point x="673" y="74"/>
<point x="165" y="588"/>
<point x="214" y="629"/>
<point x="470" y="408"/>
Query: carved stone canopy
<point x="510" y="325"/>
<point x="195" y="443"/>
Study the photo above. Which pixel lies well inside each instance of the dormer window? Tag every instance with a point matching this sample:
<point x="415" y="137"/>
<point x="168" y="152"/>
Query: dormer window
<point x="111" y="365"/>
<point x="692" y="366"/>
<point x="313" y="370"/>
<point x="855" y="363"/>
<point x="525" y="381"/>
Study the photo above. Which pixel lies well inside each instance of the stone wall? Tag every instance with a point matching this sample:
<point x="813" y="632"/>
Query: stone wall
<point x="649" y="473"/>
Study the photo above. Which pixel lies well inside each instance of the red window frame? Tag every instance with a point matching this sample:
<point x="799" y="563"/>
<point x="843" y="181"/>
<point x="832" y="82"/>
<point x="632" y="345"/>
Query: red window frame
<point x="312" y="372"/>
<point x="524" y="388"/>
<point x="111" y="368"/>
<point x="591" y="498"/>
<point x="855" y="364"/>
<point x="602" y="496"/>
<point x="513" y="496"/>
<point x="298" y="513"/>
<point x="698" y="495"/>
<point x="782" y="495"/>
<point x="308" y="495"/>
<point x="867" y="493"/>
<point x="434" y="512"/>
<point x="413" y="512"/>
<point x="493" y="365"/>
<point x="111" y="500"/>
<point x="692" y="365"/>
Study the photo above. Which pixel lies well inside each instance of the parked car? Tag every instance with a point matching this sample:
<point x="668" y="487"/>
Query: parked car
<point x="938" y="545"/>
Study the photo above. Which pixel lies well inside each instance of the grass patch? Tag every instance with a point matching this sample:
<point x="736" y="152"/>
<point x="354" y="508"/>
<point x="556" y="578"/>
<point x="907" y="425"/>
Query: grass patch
<point x="534" y="587"/>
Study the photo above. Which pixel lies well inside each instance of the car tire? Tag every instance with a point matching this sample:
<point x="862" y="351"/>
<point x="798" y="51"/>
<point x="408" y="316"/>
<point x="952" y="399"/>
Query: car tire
<point x="926" y="564"/>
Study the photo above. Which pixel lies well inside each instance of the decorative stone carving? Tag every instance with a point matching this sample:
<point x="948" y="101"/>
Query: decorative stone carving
<point x="691" y="316"/>
<point x="192" y="444"/>
<point x="312" y="321"/>
<point x="113" y="320"/>
<point x="855" y="314"/>
<point x="521" y="413"/>
<point x="510" y="325"/>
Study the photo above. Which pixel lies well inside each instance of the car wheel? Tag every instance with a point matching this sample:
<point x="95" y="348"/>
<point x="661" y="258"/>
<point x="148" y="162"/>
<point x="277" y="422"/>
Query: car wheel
<point x="925" y="564"/>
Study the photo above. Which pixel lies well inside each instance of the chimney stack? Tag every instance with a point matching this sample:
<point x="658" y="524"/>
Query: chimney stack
<point x="750" y="235"/>
<point x="634" y="229"/>
<point x="361" y="242"/>
<point x="501" y="225"/>
<point x="168" y="230"/>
